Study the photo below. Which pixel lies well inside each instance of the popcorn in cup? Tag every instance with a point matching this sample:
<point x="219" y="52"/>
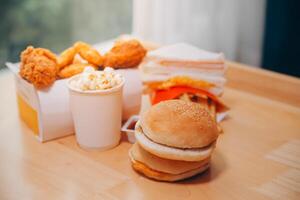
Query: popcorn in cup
<point x="96" y="107"/>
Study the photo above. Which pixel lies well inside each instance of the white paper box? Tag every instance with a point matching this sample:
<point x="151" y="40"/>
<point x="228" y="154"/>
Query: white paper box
<point x="47" y="112"/>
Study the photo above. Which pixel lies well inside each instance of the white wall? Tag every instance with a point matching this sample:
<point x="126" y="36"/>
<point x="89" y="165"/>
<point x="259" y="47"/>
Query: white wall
<point x="234" y="27"/>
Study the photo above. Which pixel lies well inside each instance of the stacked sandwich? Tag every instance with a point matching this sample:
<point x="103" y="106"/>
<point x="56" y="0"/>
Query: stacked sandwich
<point x="175" y="140"/>
<point x="182" y="71"/>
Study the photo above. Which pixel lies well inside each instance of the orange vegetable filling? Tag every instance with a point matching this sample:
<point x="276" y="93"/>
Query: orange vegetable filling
<point x="176" y="91"/>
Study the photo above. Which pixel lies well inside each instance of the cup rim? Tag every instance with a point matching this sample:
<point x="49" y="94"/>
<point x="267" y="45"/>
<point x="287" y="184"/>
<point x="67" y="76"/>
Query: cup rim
<point x="105" y="91"/>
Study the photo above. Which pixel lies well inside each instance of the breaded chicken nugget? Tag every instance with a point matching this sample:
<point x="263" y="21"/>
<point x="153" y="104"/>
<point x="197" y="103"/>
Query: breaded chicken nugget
<point x="73" y="69"/>
<point x="66" y="57"/>
<point x="125" y="54"/>
<point x="77" y="59"/>
<point x="88" y="53"/>
<point x="38" y="66"/>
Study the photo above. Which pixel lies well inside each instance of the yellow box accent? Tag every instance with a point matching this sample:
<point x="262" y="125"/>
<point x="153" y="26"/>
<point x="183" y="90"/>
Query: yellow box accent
<point x="28" y="115"/>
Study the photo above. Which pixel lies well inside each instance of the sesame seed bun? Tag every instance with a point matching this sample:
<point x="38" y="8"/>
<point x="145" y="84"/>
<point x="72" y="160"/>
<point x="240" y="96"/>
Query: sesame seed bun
<point x="179" y="124"/>
<point x="172" y="153"/>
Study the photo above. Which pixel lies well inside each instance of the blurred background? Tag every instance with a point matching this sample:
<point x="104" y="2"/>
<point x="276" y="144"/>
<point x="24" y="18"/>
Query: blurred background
<point x="261" y="33"/>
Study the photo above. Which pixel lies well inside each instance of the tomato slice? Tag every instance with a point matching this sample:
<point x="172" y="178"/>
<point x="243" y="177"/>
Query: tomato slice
<point x="176" y="91"/>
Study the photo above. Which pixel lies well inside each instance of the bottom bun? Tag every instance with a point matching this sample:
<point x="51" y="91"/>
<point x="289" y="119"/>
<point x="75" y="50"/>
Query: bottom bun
<point x="164" y="169"/>
<point x="162" y="176"/>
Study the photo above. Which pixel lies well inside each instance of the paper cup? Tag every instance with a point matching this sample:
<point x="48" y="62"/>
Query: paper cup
<point x="97" y="116"/>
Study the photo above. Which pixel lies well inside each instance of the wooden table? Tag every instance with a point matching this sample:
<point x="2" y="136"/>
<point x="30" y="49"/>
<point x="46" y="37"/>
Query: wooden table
<point x="258" y="156"/>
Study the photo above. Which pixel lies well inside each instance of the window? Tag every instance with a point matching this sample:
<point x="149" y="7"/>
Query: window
<point x="56" y="24"/>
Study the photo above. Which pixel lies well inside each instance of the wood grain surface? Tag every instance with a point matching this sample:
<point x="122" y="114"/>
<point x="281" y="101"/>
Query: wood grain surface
<point x="252" y="159"/>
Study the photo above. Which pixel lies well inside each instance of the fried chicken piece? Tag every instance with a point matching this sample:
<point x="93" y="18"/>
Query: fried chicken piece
<point x="149" y="46"/>
<point x="66" y="57"/>
<point x="125" y="54"/>
<point x="31" y="51"/>
<point x="73" y="69"/>
<point x="77" y="60"/>
<point x="88" y="53"/>
<point x="38" y="66"/>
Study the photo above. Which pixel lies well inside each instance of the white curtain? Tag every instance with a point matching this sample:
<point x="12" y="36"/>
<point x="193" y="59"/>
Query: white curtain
<point x="234" y="27"/>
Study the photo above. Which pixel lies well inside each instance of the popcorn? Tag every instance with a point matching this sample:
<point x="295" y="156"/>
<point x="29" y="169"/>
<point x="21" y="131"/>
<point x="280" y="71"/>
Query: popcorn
<point x="90" y="79"/>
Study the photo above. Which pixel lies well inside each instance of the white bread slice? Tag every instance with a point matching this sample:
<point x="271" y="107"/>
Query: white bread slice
<point x="185" y="52"/>
<point x="184" y="60"/>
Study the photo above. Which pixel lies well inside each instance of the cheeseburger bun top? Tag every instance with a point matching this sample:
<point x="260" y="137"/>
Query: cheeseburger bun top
<point x="179" y="124"/>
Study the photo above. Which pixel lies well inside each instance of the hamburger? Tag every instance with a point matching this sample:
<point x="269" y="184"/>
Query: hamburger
<point x="175" y="140"/>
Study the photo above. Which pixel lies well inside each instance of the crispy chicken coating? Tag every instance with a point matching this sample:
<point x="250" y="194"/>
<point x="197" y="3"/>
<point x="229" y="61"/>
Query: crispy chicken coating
<point x="88" y="53"/>
<point x="73" y="69"/>
<point x="66" y="57"/>
<point x="38" y="66"/>
<point x="41" y="67"/>
<point x="125" y="54"/>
